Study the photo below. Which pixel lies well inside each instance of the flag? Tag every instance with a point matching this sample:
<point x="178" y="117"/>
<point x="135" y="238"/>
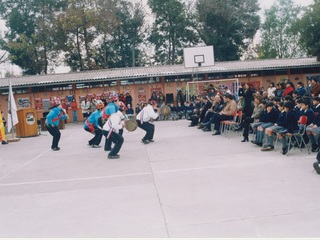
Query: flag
<point x="12" y="109"/>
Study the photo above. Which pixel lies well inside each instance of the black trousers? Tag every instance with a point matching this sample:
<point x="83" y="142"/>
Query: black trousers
<point x="115" y="138"/>
<point x="149" y="128"/>
<point x="246" y="126"/>
<point x="218" y="118"/>
<point x="108" y="143"/>
<point x="55" y="132"/>
<point x="97" y="136"/>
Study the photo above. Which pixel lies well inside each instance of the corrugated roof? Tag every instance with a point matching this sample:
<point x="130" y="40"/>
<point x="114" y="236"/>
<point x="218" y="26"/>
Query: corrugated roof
<point x="155" y="71"/>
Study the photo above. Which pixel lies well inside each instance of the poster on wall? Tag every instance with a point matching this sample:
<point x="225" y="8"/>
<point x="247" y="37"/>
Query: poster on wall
<point x="23" y="103"/>
<point x="255" y="85"/>
<point x="155" y="92"/>
<point x="38" y="103"/>
<point x="45" y="104"/>
<point x="69" y="99"/>
<point x="81" y="98"/>
<point x="141" y="95"/>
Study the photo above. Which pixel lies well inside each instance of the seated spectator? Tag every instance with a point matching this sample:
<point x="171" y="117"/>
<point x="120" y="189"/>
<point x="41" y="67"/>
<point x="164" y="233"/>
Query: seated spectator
<point x="226" y="114"/>
<point x="279" y="90"/>
<point x="173" y="113"/>
<point x="313" y="130"/>
<point x="277" y="127"/>
<point x="194" y="118"/>
<point x="301" y="91"/>
<point x="181" y="111"/>
<point x="217" y="106"/>
<point x="290" y="125"/>
<point x="267" y="119"/>
<point x="316" y="104"/>
<point x="289" y="89"/>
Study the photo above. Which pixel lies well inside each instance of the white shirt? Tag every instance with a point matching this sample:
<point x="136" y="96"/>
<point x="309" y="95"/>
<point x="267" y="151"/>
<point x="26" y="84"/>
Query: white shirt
<point x="147" y="114"/>
<point x="85" y="106"/>
<point x="115" y="122"/>
<point x="271" y="91"/>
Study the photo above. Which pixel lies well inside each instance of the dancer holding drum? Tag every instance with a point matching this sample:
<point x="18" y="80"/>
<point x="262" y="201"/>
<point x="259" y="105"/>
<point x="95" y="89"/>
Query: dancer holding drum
<point x="143" y="119"/>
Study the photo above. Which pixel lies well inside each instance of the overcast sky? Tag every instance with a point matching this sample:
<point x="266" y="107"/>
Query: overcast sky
<point x="268" y="3"/>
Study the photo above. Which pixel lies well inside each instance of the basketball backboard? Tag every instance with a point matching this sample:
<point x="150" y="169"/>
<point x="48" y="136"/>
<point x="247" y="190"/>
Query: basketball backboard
<point x="198" y="56"/>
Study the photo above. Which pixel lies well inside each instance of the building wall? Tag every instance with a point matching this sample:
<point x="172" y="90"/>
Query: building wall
<point x="139" y="92"/>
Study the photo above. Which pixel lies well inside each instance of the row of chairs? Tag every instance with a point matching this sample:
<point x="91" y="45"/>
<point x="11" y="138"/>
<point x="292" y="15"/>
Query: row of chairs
<point x="229" y="126"/>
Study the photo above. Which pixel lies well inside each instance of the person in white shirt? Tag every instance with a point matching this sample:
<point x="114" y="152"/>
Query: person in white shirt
<point x="271" y="90"/>
<point x="85" y="108"/>
<point x="113" y="131"/>
<point x="143" y="120"/>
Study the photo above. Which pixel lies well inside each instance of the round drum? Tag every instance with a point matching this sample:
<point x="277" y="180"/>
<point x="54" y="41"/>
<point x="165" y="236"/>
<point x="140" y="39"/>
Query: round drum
<point x="165" y="110"/>
<point x="131" y="124"/>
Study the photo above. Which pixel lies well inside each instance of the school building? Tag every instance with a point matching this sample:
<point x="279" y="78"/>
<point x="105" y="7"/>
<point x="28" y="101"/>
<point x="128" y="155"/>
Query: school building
<point x="141" y="82"/>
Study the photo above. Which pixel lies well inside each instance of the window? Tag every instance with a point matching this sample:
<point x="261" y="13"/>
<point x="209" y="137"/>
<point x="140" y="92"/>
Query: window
<point x="110" y="83"/>
<point x="21" y="90"/>
<point x="96" y="84"/>
<point x="66" y="87"/>
<point x="82" y="85"/>
<point x="126" y="82"/>
<point x="141" y="81"/>
<point x="38" y="89"/>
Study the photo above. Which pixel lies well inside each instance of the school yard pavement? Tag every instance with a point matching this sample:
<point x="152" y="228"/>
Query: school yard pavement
<point x="187" y="183"/>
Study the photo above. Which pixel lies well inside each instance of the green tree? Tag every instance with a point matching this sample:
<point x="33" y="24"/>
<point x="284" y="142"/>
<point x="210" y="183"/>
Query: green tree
<point x="171" y="31"/>
<point x="228" y="25"/>
<point x="77" y="33"/>
<point x="28" y="40"/>
<point x="124" y="37"/>
<point x="279" y="39"/>
<point x="309" y="26"/>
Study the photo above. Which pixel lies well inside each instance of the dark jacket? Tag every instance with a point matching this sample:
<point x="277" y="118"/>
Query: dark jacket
<point x="272" y="116"/>
<point x="291" y="123"/>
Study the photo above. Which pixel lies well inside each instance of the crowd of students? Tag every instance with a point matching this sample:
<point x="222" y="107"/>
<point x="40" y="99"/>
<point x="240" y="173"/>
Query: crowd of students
<point x="281" y="111"/>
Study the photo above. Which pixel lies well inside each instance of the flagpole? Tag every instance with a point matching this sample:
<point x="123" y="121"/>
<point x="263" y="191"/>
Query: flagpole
<point x="10" y="108"/>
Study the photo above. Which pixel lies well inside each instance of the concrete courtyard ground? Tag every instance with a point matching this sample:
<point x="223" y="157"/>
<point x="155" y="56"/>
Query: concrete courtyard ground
<point x="187" y="183"/>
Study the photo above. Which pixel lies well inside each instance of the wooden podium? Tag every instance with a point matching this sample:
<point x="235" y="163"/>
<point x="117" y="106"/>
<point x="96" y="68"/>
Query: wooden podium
<point x="27" y="126"/>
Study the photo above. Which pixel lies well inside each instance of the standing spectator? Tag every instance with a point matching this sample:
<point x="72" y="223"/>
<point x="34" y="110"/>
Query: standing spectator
<point x="65" y="107"/>
<point x="4" y="123"/>
<point x="122" y="98"/>
<point x="162" y="98"/>
<point x="180" y="98"/>
<point x="74" y="109"/>
<point x="2" y="129"/>
<point x="247" y="100"/>
<point x="85" y="108"/>
<point x="93" y="106"/>
<point x="128" y="99"/>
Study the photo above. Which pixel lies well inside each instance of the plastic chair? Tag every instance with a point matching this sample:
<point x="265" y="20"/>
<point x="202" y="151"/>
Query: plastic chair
<point x="298" y="136"/>
<point x="230" y="125"/>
